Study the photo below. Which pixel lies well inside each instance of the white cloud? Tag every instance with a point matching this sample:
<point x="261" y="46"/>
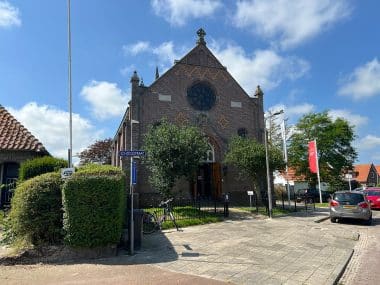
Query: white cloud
<point x="293" y="112"/>
<point x="369" y="142"/>
<point x="363" y="82"/>
<point x="178" y="12"/>
<point x="164" y="54"/>
<point x="264" y="67"/>
<point x="9" y="15"/>
<point x="105" y="98"/>
<point x="128" y="70"/>
<point x="136" y="48"/>
<point x="51" y="127"/>
<point x="353" y="119"/>
<point x="289" y="23"/>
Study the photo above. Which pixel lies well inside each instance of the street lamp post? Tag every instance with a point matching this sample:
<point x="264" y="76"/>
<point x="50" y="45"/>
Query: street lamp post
<point x="131" y="222"/>
<point x="269" y="186"/>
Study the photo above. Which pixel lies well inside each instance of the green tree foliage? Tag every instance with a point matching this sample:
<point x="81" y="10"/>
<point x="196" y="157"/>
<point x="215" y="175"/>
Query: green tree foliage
<point x="173" y="152"/>
<point x="100" y="152"/>
<point x="37" y="166"/>
<point x="248" y="156"/>
<point x="334" y="143"/>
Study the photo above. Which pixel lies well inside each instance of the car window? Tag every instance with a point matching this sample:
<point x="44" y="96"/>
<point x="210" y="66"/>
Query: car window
<point x="349" y="198"/>
<point x="373" y="193"/>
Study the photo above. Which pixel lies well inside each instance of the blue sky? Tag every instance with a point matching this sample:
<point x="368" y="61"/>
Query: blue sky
<point x="308" y="56"/>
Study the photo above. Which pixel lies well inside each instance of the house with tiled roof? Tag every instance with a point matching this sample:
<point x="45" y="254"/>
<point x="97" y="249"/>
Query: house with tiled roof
<point x="17" y="144"/>
<point x="366" y="174"/>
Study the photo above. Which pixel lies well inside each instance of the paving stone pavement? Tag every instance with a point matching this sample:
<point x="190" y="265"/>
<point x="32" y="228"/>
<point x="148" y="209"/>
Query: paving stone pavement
<point x="286" y="250"/>
<point x="241" y="250"/>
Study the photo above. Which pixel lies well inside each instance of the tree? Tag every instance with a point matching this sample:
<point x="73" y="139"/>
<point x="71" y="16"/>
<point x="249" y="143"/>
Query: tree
<point x="100" y="152"/>
<point x="248" y="156"/>
<point x="173" y="152"/>
<point x="334" y="144"/>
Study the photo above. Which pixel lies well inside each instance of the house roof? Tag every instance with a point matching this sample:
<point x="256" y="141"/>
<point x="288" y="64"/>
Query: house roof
<point x="377" y="169"/>
<point x="362" y="171"/>
<point x="14" y="136"/>
<point x="292" y="175"/>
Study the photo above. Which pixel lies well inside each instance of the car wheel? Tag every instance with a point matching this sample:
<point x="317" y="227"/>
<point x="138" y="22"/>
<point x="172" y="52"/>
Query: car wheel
<point x="369" y="221"/>
<point x="333" y="220"/>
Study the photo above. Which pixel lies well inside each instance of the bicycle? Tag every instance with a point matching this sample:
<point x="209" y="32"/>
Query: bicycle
<point x="152" y="221"/>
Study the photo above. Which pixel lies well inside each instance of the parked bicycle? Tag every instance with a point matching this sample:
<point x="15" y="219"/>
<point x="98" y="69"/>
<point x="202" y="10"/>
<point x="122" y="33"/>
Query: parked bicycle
<point x="153" y="221"/>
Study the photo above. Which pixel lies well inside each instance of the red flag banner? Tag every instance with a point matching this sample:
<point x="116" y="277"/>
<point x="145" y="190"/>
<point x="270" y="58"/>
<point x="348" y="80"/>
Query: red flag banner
<point x="313" y="157"/>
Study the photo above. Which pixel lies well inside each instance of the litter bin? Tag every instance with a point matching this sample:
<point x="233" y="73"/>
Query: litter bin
<point x="138" y="233"/>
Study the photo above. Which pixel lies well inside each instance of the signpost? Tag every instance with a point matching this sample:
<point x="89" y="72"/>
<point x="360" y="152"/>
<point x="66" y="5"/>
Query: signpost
<point x="134" y="173"/>
<point x="132" y="153"/>
<point x="67" y="172"/>
<point x="250" y="194"/>
<point x="133" y="181"/>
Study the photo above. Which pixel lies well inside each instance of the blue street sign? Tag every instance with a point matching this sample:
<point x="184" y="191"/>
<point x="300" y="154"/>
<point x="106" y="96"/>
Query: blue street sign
<point x="132" y="153"/>
<point x="134" y="173"/>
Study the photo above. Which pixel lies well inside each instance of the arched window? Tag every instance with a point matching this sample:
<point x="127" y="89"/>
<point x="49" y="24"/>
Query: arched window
<point x="210" y="154"/>
<point x="242" y="132"/>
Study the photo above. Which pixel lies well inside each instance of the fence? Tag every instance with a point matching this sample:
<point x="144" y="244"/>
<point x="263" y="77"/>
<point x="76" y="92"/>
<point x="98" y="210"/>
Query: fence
<point x="6" y="193"/>
<point x="187" y="209"/>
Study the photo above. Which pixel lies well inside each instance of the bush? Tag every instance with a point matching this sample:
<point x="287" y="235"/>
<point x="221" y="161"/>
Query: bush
<point x="40" y="165"/>
<point x="94" y="206"/>
<point x="36" y="213"/>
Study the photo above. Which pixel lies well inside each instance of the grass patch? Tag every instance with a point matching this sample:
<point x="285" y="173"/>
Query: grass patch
<point x="322" y="205"/>
<point x="187" y="216"/>
<point x="276" y="211"/>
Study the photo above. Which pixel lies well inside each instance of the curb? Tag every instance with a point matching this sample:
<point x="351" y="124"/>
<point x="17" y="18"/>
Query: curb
<point x="343" y="269"/>
<point x="322" y="219"/>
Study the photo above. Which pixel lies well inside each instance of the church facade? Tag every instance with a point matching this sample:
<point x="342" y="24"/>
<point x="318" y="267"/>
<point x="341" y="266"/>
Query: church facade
<point x="196" y="90"/>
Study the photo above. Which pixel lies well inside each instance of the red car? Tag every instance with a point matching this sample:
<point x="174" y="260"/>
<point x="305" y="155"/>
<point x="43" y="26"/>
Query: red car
<point x="373" y="196"/>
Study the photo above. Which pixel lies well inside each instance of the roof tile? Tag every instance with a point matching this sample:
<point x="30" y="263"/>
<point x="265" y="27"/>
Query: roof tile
<point x="14" y="136"/>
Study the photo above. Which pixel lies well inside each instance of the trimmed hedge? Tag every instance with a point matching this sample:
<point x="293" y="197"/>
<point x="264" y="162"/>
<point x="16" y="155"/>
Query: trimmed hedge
<point x="36" y="212"/>
<point x="94" y="206"/>
<point x="37" y="166"/>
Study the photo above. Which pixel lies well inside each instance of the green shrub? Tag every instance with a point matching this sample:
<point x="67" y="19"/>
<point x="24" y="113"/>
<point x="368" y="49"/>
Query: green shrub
<point x="94" y="206"/>
<point x="36" y="211"/>
<point x="40" y="165"/>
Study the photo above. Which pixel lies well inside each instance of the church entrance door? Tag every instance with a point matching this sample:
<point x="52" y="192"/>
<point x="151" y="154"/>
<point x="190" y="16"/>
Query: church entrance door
<point x="209" y="181"/>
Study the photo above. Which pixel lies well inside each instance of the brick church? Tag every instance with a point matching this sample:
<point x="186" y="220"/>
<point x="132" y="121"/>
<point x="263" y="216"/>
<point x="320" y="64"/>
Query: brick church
<point x="196" y="90"/>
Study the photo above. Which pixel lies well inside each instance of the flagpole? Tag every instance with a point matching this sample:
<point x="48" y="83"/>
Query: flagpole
<point x="70" y="92"/>
<point x="319" y="178"/>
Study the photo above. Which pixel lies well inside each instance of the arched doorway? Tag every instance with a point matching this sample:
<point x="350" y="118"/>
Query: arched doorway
<point x="208" y="183"/>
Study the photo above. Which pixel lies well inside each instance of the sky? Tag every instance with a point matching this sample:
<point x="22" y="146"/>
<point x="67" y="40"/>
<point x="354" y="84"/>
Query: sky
<point x="307" y="56"/>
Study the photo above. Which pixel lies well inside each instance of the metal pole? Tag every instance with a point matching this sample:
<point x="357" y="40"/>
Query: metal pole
<point x="319" y="178"/>
<point x="269" y="186"/>
<point x="268" y="179"/>
<point x="70" y="90"/>
<point x="283" y="129"/>
<point x="132" y="228"/>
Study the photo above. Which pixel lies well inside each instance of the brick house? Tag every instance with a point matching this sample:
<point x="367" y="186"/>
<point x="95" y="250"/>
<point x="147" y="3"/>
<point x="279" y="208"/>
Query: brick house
<point x="17" y="144"/>
<point x="196" y="90"/>
<point x="366" y="174"/>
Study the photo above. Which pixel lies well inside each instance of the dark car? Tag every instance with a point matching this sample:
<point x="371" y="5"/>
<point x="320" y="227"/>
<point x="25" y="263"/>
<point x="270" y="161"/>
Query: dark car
<point x="351" y="205"/>
<point x="312" y="195"/>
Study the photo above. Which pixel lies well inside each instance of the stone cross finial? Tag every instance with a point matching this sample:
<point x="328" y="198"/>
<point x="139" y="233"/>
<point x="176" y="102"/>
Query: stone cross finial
<point x="201" y="36"/>
<point x="258" y="92"/>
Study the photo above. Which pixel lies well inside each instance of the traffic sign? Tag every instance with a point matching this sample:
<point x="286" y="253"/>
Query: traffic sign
<point x="134" y="173"/>
<point x="132" y="153"/>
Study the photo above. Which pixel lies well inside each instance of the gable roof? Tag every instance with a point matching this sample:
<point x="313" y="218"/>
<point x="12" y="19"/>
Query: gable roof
<point x="377" y="169"/>
<point x="200" y="55"/>
<point x="362" y="171"/>
<point x="292" y="176"/>
<point x="14" y="136"/>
